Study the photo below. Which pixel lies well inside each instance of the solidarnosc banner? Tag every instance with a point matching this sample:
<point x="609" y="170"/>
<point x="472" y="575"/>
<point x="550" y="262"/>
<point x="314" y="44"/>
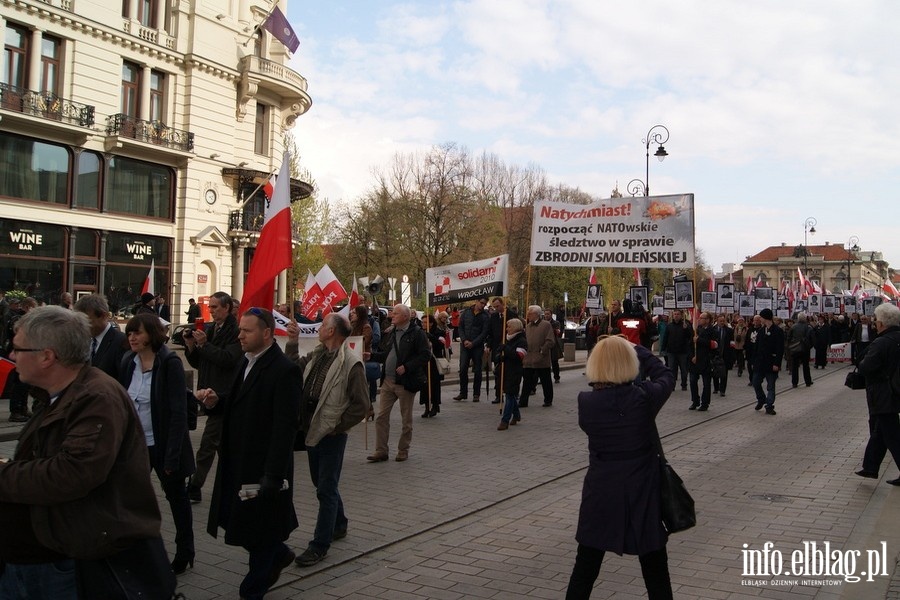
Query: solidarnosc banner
<point x="654" y="231"/>
<point x="467" y="281"/>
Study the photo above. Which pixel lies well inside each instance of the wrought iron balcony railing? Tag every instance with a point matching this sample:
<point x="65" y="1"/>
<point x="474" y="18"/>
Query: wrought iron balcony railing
<point x="46" y="105"/>
<point x="151" y="132"/>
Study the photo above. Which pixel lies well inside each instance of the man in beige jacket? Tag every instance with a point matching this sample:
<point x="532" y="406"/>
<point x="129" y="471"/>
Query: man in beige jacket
<point x="541" y="339"/>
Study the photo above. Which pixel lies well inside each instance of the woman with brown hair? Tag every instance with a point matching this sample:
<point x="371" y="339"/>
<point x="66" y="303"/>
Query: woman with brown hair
<point x="153" y="375"/>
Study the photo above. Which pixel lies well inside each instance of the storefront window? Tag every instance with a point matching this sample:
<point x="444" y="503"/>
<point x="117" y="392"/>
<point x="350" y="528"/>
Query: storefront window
<point x="85" y="243"/>
<point x="139" y="188"/>
<point x="88" y="194"/>
<point x="128" y="258"/>
<point x="33" y="170"/>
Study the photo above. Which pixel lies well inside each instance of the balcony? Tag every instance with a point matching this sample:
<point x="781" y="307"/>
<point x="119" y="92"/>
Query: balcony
<point x="148" y="137"/>
<point x="258" y="73"/>
<point x="45" y="105"/>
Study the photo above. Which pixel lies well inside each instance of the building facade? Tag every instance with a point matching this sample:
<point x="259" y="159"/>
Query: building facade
<point x="138" y="132"/>
<point x="831" y="266"/>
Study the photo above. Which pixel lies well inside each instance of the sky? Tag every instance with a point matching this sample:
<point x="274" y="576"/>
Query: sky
<point x="776" y="111"/>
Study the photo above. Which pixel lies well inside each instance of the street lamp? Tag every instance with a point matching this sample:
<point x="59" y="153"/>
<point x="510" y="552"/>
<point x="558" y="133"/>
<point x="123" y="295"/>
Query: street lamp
<point x="852" y="246"/>
<point x="809" y="226"/>
<point x="659" y="135"/>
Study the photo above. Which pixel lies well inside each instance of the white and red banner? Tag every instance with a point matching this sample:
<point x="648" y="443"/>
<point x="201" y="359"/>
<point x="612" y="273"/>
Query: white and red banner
<point x="654" y="231"/>
<point x="467" y="281"/>
<point x="273" y="250"/>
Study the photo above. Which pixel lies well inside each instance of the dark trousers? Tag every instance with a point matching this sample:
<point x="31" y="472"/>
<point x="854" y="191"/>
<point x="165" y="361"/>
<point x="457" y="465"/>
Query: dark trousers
<point x="174" y="487"/>
<point x="768" y="398"/>
<point x="821" y="355"/>
<point x="654" y="568"/>
<point x="801" y="359"/>
<point x="678" y="362"/>
<point x="259" y="577"/>
<point x="476" y="355"/>
<point x="698" y="398"/>
<point x="530" y="377"/>
<point x="720" y="383"/>
<point x="209" y="445"/>
<point x="326" y="459"/>
<point x="884" y="435"/>
<point x="554" y="360"/>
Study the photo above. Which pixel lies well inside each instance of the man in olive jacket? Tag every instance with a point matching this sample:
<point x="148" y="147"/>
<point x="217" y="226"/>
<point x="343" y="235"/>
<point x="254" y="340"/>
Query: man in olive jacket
<point x="536" y="364"/>
<point x="78" y="486"/>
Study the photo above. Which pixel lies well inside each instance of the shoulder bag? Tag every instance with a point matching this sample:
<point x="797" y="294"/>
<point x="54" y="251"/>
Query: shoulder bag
<point x="676" y="503"/>
<point x="855" y="380"/>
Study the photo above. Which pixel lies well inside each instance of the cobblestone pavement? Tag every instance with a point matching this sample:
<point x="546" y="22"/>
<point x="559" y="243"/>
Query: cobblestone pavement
<point x="479" y="513"/>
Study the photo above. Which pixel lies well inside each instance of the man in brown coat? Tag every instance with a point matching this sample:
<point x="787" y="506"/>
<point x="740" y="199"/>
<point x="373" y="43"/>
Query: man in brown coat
<point x="78" y="486"/>
<point x="536" y="365"/>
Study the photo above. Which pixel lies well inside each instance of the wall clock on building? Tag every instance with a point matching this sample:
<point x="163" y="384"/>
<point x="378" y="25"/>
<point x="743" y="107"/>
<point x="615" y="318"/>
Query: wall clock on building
<point x="210" y="196"/>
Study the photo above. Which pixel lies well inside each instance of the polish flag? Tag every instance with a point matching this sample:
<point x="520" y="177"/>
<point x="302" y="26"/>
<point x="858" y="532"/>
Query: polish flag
<point x="273" y="250"/>
<point x="637" y="278"/>
<point x="312" y="296"/>
<point x="889" y="288"/>
<point x="593" y="278"/>
<point x="269" y="187"/>
<point x="712" y="283"/>
<point x="354" y="295"/>
<point x="332" y="290"/>
<point x="750" y="286"/>
<point x="148" y="283"/>
<point x="855" y="290"/>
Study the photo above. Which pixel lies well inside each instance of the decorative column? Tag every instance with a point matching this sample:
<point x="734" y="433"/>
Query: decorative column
<point x="144" y="110"/>
<point x="34" y="61"/>
<point x="237" y="270"/>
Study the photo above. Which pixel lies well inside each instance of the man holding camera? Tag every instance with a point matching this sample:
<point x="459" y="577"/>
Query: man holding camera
<point x="214" y="350"/>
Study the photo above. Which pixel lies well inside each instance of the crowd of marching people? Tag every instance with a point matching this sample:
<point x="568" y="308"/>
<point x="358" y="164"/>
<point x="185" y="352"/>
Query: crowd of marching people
<point x="109" y="407"/>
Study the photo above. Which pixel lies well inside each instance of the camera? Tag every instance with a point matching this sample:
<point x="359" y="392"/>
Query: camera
<point x="188" y="333"/>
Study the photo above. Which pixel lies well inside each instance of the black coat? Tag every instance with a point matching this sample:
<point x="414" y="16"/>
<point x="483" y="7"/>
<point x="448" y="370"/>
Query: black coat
<point x="769" y="350"/>
<point x="258" y="431"/>
<point x="703" y="349"/>
<point x="168" y="411"/>
<point x="217" y="359"/>
<point x="412" y="352"/>
<point x="878" y="363"/>
<point x="512" y="363"/>
<point x="108" y="356"/>
<point x="620" y="508"/>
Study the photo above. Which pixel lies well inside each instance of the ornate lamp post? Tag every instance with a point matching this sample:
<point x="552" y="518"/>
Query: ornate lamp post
<point x="809" y="226"/>
<point x="659" y="135"/>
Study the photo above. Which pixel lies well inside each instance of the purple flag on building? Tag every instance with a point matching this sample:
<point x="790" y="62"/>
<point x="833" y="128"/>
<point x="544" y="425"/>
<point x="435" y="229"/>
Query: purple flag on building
<point x="277" y="24"/>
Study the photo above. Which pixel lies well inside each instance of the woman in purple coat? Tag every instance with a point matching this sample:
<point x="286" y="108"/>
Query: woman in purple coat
<point x="620" y="509"/>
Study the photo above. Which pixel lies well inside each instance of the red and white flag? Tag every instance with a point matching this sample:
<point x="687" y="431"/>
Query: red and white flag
<point x="637" y="278"/>
<point x="148" y="283"/>
<point x="890" y="288"/>
<point x="750" y="285"/>
<point x="593" y="278"/>
<point x="269" y="187"/>
<point x="312" y="295"/>
<point x="273" y="250"/>
<point x="855" y="290"/>
<point x="332" y="290"/>
<point x="354" y="295"/>
<point x="711" y="287"/>
<point x="326" y="292"/>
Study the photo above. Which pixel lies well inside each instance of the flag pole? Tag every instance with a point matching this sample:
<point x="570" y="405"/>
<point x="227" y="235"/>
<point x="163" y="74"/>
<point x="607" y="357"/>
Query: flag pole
<point x="260" y="24"/>
<point x="250" y="196"/>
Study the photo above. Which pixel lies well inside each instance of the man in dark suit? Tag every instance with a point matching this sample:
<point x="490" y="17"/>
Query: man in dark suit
<point x="725" y="341"/>
<point x="108" y="344"/>
<point x="162" y="309"/>
<point x="215" y="352"/>
<point x="256" y="454"/>
<point x="704" y="346"/>
<point x="767" y="357"/>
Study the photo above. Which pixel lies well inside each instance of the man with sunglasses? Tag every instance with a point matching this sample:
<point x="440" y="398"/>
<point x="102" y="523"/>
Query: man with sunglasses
<point x="253" y="494"/>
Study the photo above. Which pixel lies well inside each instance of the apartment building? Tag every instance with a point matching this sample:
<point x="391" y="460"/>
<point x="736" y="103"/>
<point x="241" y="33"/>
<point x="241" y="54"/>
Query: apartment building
<point x="138" y="132"/>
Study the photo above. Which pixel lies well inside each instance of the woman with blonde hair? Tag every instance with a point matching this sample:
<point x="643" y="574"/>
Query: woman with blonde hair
<point x="620" y="500"/>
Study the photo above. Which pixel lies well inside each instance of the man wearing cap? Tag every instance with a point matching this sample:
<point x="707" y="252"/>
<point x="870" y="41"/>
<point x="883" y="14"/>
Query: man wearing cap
<point x="147" y="305"/>
<point x="767" y="356"/>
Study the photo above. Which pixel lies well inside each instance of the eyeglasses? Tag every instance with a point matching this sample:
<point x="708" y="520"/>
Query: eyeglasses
<point x="20" y="350"/>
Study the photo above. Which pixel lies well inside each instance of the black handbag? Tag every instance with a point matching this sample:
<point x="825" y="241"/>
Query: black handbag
<point x="676" y="503"/>
<point x="855" y="380"/>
